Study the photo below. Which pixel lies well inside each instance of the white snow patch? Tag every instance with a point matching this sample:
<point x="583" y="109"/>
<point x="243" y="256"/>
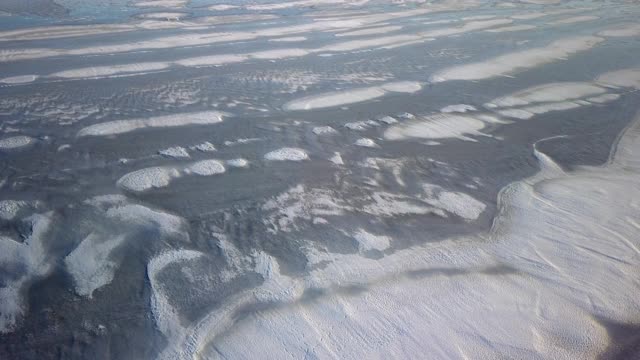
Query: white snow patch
<point x="621" y="78"/>
<point x="175" y="152"/>
<point x="324" y="130"/>
<point x="368" y="241"/>
<point x="22" y="79"/>
<point x="16" y="142"/>
<point x="439" y="126"/>
<point x="148" y="178"/>
<point x="287" y="154"/>
<point x="336" y="159"/>
<point x="365" y="142"/>
<point x="518" y="61"/>
<point x="623" y="30"/>
<point x="206" y="168"/>
<point x="125" y="126"/>
<point x="346" y="97"/>
<point x="457" y="203"/>
<point x="459" y="108"/>
<point x="89" y="263"/>
<point x="205" y="147"/>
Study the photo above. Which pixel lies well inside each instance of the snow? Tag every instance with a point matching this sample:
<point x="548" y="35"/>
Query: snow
<point x="459" y="108"/>
<point x="148" y="178"/>
<point x="517" y="61"/>
<point x="175" y="152"/>
<point x="365" y="142"/>
<point x="440" y="126"/>
<point x="16" y="142"/>
<point x="89" y="263"/>
<point x="206" y="168"/>
<point x="346" y="97"/>
<point x="457" y="203"/>
<point x="287" y="154"/>
<point x="324" y="130"/>
<point x="368" y="241"/>
<point x="125" y="126"/>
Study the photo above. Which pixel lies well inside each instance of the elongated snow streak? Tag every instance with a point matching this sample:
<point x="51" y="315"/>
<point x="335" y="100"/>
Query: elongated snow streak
<point x="517" y="61"/>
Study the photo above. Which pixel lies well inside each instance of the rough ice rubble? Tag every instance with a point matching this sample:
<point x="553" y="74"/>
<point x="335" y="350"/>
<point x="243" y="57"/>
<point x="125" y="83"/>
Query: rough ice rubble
<point x="125" y="126"/>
